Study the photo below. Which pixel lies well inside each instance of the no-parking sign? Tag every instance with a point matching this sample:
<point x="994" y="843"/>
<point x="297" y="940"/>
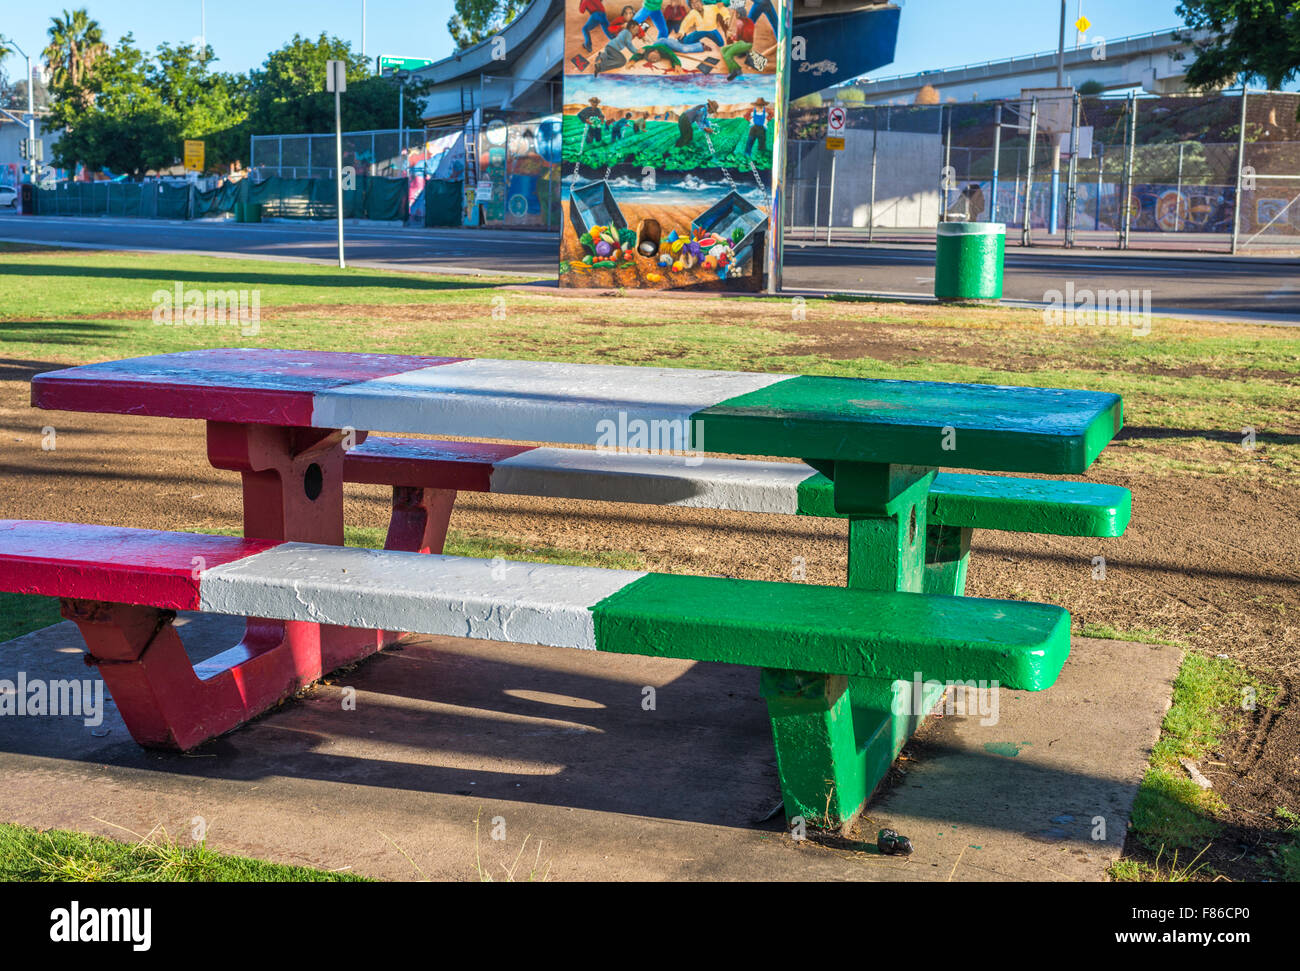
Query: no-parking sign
<point x="837" y="117"/>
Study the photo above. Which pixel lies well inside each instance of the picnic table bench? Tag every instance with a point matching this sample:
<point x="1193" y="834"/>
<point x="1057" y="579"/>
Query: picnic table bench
<point x="834" y="661"/>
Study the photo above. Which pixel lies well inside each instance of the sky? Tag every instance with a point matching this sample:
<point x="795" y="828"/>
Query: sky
<point x="934" y="33"/>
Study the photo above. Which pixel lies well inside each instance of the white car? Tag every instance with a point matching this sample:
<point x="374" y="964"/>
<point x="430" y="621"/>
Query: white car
<point x="8" y="196"/>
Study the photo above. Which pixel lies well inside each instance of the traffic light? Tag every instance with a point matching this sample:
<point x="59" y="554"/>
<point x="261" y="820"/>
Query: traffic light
<point x="24" y="148"/>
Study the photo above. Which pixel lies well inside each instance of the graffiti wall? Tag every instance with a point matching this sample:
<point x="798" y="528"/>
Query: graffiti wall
<point x="1153" y="207"/>
<point x="673" y="128"/>
<point x="440" y="157"/>
<point x="519" y="170"/>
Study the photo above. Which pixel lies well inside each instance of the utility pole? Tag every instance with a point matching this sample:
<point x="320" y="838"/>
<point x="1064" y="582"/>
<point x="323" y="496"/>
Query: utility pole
<point x="1127" y="181"/>
<point x="1178" y="193"/>
<point x="401" y="75"/>
<point x="1071" y="182"/>
<point x="1026" y="237"/>
<point x="947" y="164"/>
<point x="363" y="27"/>
<point x="997" y="158"/>
<point x="31" y="114"/>
<point x="1241" y="157"/>
<point x="830" y="206"/>
<point x="1060" y="51"/>
<point x="875" y="138"/>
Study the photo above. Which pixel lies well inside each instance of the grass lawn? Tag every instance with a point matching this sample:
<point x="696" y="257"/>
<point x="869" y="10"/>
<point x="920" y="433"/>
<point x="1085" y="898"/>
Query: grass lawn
<point x="1193" y="386"/>
<point x="1174" y="820"/>
<point x="60" y="856"/>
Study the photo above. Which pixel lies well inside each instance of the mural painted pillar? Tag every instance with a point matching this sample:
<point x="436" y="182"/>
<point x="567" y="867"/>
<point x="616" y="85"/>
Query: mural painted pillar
<point x="780" y="126"/>
<point x="673" y="143"/>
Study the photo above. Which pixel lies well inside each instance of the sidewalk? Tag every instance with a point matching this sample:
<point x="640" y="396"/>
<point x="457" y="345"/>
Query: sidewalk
<point x="555" y="747"/>
<point x="1095" y="242"/>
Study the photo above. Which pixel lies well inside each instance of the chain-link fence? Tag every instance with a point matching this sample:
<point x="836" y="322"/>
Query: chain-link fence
<point x="384" y="153"/>
<point x="1172" y="172"/>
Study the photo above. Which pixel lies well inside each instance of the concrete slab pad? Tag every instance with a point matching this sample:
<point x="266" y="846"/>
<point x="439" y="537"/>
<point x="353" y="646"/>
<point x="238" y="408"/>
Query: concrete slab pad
<point x="453" y="759"/>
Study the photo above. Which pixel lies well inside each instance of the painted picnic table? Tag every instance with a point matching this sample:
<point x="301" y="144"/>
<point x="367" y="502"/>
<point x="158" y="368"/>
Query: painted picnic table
<point x="284" y="419"/>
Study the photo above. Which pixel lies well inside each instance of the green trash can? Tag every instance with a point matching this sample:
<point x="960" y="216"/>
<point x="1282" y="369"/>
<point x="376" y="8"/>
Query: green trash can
<point x="968" y="260"/>
<point x="239" y="213"/>
<point x="253" y="214"/>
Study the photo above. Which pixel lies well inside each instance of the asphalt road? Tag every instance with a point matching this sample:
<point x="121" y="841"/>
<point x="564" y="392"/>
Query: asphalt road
<point x="1266" y="288"/>
<point x="1218" y="285"/>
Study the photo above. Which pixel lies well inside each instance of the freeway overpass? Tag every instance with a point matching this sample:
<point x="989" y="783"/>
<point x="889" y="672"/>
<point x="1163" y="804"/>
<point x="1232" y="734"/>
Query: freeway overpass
<point x="520" y="67"/>
<point x="1149" y="61"/>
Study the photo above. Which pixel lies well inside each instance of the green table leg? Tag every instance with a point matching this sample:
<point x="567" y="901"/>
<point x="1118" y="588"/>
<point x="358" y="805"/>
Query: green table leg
<point x="822" y="779"/>
<point x="836" y="737"/>
<point x="947" y="552"/>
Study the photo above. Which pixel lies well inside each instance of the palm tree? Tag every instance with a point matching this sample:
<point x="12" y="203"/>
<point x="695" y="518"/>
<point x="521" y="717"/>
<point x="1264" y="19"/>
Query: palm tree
<point x="76" y="42"/>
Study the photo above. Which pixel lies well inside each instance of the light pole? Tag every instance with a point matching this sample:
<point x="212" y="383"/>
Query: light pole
<point x="363" y="28"/>
<point x="1060" y="51"/>
<point x="401" y="76"/>
<point x="1056" y="143"/>
<point x="31" y="114"/>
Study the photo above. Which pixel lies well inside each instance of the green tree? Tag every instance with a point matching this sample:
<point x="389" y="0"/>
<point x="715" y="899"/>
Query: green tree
<point x="477" y="20"/>
<point x="145" y="137"/>
<point x="289" y="97"/>
<point x="1254" y="39"/>
<point x="137" y="109"/>
<point x="76" y="43"/>
<point x="297" y="69"/>
<point x="207" y="104"/>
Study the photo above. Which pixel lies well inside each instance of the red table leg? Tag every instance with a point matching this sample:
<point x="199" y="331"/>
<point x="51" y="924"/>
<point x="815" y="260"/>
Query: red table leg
<point x="293" y="490"/>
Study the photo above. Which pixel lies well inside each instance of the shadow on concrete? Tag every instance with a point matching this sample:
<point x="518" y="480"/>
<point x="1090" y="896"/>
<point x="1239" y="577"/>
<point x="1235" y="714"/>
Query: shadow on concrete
<point x="535" y="725"/>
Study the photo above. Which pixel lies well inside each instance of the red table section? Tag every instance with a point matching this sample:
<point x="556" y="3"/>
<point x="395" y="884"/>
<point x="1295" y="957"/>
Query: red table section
<point x="139" y="566"/>
<point x="246" y="385"/>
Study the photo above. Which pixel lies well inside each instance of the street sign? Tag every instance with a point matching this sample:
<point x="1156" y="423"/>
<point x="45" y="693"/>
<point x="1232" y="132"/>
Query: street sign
<point x="1082" y="25"/>
<point x="336" y="77"/>
<point x="837" y="117"/>
<point x="387" y="63"/>
<point x="194" y="155"/>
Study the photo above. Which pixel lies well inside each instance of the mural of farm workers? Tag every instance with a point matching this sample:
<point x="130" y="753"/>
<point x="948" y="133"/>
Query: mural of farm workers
<point x="619" y="127"/>
<point x="699" y="115"/>
<point x="594" y="118"/>
<point x="757" y="118"/>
